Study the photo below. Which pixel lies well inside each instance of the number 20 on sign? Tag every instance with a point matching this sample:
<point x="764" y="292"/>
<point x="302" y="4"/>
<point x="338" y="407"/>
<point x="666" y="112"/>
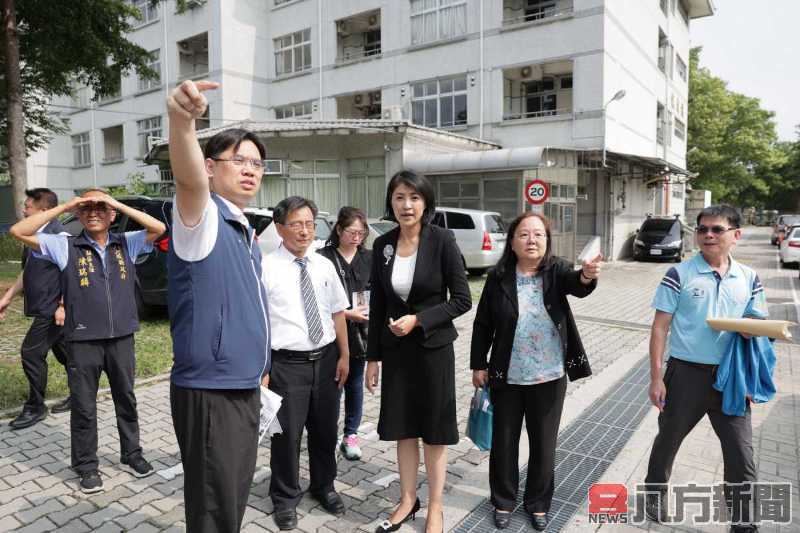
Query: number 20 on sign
<point x="536" y="192"/>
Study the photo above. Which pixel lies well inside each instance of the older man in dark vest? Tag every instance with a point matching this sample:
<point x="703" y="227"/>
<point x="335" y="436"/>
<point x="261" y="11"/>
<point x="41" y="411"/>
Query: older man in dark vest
<point x="97" y="280"/>
<point x="40" y="284"/>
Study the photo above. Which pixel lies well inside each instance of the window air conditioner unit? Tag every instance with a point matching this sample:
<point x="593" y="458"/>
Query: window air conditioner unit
<point x="273" y="167"/>
<point x="357" y="99"/>
<point x="372" y="21"/>
<point x="393" y="112"/>
<point x="375" y="97"/>
<point x="341" y="27"/>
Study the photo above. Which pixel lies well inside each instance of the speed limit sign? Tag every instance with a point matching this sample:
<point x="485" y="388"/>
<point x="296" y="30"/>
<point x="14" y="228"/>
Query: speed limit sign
<point x="536" y="192"/>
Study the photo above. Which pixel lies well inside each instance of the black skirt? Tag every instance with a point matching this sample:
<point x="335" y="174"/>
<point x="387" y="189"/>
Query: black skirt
<point x="418" y="398"/>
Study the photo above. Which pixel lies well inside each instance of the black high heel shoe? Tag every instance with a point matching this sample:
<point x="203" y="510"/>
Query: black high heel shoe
<point x="387" y="526"/>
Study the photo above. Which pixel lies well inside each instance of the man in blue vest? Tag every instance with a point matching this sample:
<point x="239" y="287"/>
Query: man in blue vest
<point x="218" y="313"/>
<point x="40" y="284"/>
<point x="98" y="276"/>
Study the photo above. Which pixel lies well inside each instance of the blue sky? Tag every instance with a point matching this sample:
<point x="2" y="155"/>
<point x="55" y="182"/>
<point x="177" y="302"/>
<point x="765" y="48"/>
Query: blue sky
<point x="755" y="46"/>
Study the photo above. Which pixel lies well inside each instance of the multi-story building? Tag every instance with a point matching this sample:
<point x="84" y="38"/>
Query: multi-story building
<point x="603" y="80"/>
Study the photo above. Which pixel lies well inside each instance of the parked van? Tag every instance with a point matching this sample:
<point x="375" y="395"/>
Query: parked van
<point x="480" y="235"/>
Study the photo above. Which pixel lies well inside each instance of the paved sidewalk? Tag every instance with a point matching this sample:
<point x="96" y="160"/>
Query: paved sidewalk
<point x="38" y="491"/>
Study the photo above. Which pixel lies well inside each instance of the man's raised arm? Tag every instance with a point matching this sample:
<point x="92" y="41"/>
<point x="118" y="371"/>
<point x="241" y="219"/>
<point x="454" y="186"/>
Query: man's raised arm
<point x="185" y="104"/>
<point x="25" y="230"/>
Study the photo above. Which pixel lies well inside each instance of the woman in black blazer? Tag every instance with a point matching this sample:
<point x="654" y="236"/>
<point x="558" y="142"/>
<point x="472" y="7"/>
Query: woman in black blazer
<point x="411" y="333"/>
<point x="524" y="316"/>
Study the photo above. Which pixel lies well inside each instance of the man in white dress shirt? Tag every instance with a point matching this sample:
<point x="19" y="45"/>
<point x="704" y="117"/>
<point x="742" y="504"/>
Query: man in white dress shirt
<point x="310" y="358"/>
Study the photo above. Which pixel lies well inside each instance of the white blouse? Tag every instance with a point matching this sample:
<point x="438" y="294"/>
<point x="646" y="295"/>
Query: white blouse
<point x="403" y="274"/>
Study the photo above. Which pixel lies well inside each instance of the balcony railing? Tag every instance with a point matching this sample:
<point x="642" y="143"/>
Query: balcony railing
<point x="536" y="114"/>
<point x="539" y="14"/>
<point x="354" y="54"/>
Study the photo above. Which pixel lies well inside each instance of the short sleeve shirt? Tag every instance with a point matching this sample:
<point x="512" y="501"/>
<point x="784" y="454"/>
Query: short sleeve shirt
<point x="692" y="292"/>
<point x="55" y="248"/>
<point x="288" y="325"/>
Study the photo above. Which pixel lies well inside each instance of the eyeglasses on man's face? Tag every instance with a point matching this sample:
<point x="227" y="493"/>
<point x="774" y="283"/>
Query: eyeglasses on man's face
<point x="256" y="164"/>
<point x="714" y="230"/>
<point x="299" y="225"/>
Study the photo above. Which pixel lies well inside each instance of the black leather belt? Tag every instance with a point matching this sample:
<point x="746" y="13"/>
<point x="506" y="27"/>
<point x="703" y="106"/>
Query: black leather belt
<point x="302" y="356"/>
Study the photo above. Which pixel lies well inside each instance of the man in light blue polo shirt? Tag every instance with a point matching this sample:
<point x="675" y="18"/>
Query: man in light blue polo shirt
<point x="709" y="285"/>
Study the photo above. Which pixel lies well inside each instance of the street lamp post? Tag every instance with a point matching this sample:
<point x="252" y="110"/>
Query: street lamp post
<point x="619" y="95"/>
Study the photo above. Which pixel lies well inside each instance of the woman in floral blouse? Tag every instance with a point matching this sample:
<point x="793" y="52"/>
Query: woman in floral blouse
<point x="524" y="317"/>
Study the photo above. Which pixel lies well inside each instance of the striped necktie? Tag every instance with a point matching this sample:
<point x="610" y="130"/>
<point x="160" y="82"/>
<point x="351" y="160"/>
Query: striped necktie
<point x="309" y="303"/>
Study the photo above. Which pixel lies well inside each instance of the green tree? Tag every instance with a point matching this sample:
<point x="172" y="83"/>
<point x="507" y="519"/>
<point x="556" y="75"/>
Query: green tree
<point x="46" y="46"/>
<point x="732" y="143"/>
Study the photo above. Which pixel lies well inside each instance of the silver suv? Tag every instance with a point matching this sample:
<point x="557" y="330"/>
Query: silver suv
<point x="480" y="235"/>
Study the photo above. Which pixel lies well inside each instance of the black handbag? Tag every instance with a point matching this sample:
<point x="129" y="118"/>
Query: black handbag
<point x="356" y="333"/>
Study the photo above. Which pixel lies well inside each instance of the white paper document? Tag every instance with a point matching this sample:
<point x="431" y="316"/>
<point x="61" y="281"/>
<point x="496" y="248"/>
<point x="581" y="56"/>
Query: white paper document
<point x="270" y="405"/>
<point x="589" y="252"/>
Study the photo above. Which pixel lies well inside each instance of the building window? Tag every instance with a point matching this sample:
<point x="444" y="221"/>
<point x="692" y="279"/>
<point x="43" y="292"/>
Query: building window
<point x="301" y="110"/>
<point x="148" y="10"/>
<point x="358" y="36"/>
<point x="193" y="56"/>
<point x="680" y="129"/>
<point x="440" y="103"/>
<point x="433" y="20"/>
<point x="681" y="68"/>
<point x="293" y="52"/>
<point x="663" y="50"/>
<point x="81" y="150"/>
<point x="149" y="127"/>
<point x="154" y="63"/>
<point x="113" y="144"/>
<point x="114" y="90"/>
<point x="318" y="180"/>
<point x="366" y="185"/>
<point x="660" y="116"/>
<point x="203" y="122"/>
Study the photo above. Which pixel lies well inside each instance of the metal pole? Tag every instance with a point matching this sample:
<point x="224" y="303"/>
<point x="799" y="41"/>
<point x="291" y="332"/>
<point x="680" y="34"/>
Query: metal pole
<point x="92" y="153"/>
<point x="319" y="60"/>
<point x="480" y="77"/>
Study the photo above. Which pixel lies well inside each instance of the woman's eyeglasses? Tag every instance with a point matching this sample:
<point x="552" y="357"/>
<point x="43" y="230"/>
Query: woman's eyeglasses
<point x="355" y="234"/>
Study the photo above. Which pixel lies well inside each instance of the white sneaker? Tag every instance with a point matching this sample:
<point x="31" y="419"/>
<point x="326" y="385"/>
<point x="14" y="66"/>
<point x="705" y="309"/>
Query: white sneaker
<point x="349" y="448"/>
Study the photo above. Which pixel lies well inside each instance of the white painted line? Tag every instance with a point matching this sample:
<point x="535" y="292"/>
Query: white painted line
<point x="171" y="472"/>
<point x="791" y="284"/>
<point x="386" y="480"/>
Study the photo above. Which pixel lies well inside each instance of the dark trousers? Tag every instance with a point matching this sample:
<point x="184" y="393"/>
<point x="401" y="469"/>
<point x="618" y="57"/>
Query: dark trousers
<point x="310" y="400"/>
<point x="217" y="433"/>
<point x="86" y="360"/>
<point x="42" y="336"/>
<point x="354" y="396"/>
<point x="690" y="396"/>
<point x="541" y="406"/>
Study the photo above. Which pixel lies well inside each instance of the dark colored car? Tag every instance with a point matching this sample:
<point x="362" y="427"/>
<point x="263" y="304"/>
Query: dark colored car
<point x="659" y="238"/>
<point x="151" y="267"/>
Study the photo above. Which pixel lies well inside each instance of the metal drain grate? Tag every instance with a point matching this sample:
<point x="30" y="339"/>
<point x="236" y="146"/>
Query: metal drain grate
<point x="586" y="448"/>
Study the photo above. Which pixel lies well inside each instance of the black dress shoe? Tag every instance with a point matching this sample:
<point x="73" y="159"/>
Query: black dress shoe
<point x="387" y="526"/>
<point x="501" y="519"/>
<point x="285" y="519"/>
<point x="539" y="521"/>
<point x="61" y="407"/>
<point x="331" y="502"/>
<point x="28" y="418"/>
